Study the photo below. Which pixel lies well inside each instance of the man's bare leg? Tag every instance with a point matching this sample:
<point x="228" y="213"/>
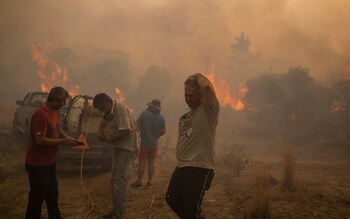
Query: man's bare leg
<point x="141" y="170"/>
<point x="151" y="169"/>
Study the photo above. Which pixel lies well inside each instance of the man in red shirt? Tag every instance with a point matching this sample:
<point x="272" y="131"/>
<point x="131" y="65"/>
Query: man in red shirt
<point x="46" y="135"/>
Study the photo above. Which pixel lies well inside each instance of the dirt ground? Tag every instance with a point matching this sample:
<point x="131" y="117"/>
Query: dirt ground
<point x="321" y="188"/>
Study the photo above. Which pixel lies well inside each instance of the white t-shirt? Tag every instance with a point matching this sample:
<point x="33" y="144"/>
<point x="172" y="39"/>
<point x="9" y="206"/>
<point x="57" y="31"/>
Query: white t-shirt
<point x="121" y="120"/>
<point x="196" y="140"/>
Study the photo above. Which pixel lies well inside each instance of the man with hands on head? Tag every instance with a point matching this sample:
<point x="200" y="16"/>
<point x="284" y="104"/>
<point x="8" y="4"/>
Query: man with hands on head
<point x="45" y="136"/>
<point x="117" y="128"/>
<point x="195" y="150"/>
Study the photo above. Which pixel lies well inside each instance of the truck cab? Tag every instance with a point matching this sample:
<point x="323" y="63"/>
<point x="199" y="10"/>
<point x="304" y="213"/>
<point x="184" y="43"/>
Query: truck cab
<point x="82" y="121"/>
<point x="24" y="111"/>
<point x="78" y="119"/>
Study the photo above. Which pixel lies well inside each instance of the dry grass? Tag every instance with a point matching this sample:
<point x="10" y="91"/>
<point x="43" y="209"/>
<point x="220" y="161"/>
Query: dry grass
<point x="236" y="159"/>
<point x="321" y="186"/>
<point x="260" y="207"/>
<point x="288" y="182"/>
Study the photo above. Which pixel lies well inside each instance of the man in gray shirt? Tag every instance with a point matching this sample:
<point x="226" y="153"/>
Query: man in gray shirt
<point x="152" y="125"/>
<point x="195" y="150"/>
<point x="117" y="128"/>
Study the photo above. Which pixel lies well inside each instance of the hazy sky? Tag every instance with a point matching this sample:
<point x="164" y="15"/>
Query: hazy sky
<point x="185" y="36"/>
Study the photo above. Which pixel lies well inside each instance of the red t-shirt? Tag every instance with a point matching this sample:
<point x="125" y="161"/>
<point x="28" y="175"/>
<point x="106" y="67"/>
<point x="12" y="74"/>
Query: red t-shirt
<point x="47" y="124"/>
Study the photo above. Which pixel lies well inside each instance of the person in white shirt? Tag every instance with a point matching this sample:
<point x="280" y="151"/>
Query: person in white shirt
<point x="117" y="128"/>
<point x="195" y="150"/>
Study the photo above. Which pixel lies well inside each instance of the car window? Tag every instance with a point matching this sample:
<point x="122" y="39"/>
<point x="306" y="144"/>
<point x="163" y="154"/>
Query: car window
<point x="26" y="100"/>
<point x="38" y="99"/>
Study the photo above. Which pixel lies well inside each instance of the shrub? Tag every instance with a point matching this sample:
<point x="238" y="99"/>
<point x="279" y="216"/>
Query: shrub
<point x="261" y="204"/>
<point x="236" y="159"/>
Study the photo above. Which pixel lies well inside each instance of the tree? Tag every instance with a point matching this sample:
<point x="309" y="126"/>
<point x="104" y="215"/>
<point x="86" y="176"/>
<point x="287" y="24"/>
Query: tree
<point x="341" y="90"/>
<point x="110" y="70"/>
<point x="155" y="83"/>
<point x="288" y="104"/>
<point x="245" y="64"/>
<point x="240" y="50"/>
<point x="64" y="56"/>
<point x="340" y="109"/>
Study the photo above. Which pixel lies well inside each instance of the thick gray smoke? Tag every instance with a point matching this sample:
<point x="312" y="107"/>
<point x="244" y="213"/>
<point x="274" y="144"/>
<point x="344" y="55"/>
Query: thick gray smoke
<point x="108" y="44"/>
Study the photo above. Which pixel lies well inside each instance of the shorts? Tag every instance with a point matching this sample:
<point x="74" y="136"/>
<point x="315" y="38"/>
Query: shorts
<point x="148" y="153"/>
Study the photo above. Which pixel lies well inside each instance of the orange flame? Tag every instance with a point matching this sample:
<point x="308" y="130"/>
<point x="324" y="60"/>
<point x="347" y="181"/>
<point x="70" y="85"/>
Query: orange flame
<point x="347" y="70"/>
<point x="337" y="106"/>
<point x="120" y="95"/>
<point x="49" y="71"/>
<point x="224" y="96"/>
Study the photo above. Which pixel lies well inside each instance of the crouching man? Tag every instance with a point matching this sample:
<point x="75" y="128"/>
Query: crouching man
<point x="118" y="128"/>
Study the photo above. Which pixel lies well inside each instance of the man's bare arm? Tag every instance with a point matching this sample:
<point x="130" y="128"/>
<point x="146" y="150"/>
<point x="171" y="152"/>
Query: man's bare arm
<point x="162" y="131"/>
<point x="208" y="92"/>
<point x="121" y="134"/>
<point x="101" y="131"/>
<point x="46" y="141"/>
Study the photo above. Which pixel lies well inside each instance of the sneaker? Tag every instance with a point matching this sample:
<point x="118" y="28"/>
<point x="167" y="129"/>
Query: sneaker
<point x="148" y="186"/>
<point x="108" y="215"/>
<point x="137" y="185"/>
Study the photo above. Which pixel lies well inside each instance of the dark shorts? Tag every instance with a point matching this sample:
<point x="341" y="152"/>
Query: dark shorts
<point x="148" y="153"/>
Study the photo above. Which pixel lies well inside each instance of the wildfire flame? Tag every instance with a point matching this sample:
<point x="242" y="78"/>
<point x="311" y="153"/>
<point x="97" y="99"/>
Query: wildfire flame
<point x="347" y="70"/>
<point x="337" y="106"/>
<point x="224" y="96"/>
<point x="120" y="95"/>
<point x="49" y="71"/>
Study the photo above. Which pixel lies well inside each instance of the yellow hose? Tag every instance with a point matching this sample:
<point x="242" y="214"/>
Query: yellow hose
<point x="81" y="171"/>
<point x="153" y="188"/>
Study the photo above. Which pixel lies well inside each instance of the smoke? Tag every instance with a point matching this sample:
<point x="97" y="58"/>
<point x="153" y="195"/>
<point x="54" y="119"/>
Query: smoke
<point x="182" y="37"/>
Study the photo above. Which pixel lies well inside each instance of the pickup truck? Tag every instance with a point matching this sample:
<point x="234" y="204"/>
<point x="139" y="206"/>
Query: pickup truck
<point x="78" y="119"/>
<point x="23" y="113"/>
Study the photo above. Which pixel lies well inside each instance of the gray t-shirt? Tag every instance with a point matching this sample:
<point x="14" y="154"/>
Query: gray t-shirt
<point x="151" y="123"/>
<point x="196" y="140"/>
<point x="121" y="119"/>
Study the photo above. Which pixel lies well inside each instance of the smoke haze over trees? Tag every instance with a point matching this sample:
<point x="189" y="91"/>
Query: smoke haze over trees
<point x="292" y="104"/>
<point x="148" y="48"/>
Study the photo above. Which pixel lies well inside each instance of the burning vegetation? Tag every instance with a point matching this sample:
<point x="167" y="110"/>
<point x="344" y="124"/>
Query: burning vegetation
<point x="50" y="71"/>
<point x="294" y="105"/>
<point x="268" y="99"/>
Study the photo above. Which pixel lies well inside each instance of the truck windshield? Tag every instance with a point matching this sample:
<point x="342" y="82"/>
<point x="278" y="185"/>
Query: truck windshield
<point x="38" y="99"/>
